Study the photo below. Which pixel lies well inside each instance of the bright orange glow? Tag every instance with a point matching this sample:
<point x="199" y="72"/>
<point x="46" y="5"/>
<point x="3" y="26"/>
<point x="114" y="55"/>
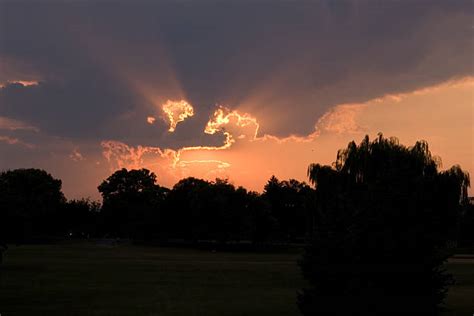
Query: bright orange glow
<point x="220" y="164"/>
<point x="229" y="123"/>
<point x="150" y="120"/>
<point x="223" y="116"/>
<point x="250" y="159"/>
<point x="177" y="111"/>
<point x="342" y="119"/>
<point x="25" y="83"/>
<point x="121" y="155"/>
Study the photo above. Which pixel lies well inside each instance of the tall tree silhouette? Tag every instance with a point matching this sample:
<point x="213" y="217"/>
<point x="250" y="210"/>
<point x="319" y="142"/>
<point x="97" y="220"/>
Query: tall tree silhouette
<point x="131" y="203"/>
<point x="383" y="218"/>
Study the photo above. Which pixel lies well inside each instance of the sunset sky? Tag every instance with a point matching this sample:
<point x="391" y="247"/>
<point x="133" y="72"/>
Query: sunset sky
<point x="233" y="89"/>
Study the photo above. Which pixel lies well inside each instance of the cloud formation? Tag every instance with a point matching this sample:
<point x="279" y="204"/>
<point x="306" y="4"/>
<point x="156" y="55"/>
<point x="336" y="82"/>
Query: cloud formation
<point x="242" y="158"/>
<point x="94" y="75"/>
<point x="287" y="64"/>
<point x="177" y="111"/>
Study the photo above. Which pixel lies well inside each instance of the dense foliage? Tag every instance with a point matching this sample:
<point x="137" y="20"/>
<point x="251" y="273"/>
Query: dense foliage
<point x="385" y="216"/>
<point x="30" y="204"/>
<point x="132" y="202"/>
<point x="135" y="207"/>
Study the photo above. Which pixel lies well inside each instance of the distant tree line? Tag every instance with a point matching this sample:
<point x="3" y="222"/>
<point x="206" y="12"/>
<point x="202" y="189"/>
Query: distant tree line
<point x="34" y="209"/>
<point x="135" y="207"/>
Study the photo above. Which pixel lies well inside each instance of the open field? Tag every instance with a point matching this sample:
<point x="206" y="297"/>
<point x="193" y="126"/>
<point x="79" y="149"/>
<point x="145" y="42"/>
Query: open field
<point x="89" y="279"/>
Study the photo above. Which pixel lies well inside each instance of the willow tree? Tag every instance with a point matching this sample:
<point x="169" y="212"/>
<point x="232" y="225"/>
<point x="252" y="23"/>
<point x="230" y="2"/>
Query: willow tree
<point x="384" y="217"/>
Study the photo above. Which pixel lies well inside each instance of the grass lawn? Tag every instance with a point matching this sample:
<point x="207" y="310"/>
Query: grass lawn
<point x="128" y="280"/>
<point x="460" y="299"/>
<point x="89" y="279"/>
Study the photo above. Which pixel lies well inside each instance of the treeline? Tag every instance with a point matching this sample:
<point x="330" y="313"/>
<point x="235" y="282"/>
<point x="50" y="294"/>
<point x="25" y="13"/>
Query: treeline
<point x="135" y="207"/>
<point x="34" y="209"/>
<point x="379" y="225"/>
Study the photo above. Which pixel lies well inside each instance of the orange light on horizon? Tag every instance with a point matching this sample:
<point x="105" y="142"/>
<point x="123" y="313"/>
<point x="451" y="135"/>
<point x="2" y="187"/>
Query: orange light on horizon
<point x="250" y="158"/>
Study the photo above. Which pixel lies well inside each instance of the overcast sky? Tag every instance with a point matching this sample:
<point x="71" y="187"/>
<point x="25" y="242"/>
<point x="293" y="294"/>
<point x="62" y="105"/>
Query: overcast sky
<point x="256" y="87"/>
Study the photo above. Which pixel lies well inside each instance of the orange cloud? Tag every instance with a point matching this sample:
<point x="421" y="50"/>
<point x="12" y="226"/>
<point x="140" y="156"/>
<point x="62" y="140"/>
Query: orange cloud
<point x="197" y="159"/>
<point x="177" y="111"/>
<point x="167" y="163"/>
<point x="224" y="117"/>
<point x="150" y="120"/>
<point x="250" y="159"/>
<point x="120" y="155"/>
<point x="25" y="83"/>
<point x="203" y="161"/>
<point x="235" y="125"/>
<point x="342" y="119"/>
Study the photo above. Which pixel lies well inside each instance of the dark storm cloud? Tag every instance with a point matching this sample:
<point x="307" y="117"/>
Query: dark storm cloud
<point x="286" y="62"/>
<point x="73" y="108"/>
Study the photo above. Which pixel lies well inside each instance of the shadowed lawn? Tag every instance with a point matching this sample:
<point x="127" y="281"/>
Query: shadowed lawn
<point x="89" y="279"/>
<point x="128" y="280"/>
<point x="461" y="296"/>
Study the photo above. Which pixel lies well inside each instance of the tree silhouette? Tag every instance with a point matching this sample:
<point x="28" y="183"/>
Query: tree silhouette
<point x="208" y="210"/>
<point x="262" y="223"/>
<point x="80" y="218"/>
<point x="186" y="209"/>
<point x="466" y="225"/>
<point x="131" y="203"/>
<point x="290" y="202"/>
<point x="30" y="205"/>
<point x="383" y="218"/>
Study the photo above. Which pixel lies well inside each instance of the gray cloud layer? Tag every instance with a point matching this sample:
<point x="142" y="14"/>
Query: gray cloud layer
<point x="285" y="62"/>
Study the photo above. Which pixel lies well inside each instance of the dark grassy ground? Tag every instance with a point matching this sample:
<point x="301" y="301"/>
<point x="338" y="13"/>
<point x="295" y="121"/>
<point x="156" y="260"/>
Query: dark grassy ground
<point x="460" y="299"/>
<point x="88" y="279"/>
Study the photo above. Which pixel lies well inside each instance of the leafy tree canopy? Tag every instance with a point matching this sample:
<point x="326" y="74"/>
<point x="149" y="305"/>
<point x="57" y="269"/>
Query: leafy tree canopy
<point x="131" y="201"/>
<point x="29" y="202"/>
<point x="384" y="215"/>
